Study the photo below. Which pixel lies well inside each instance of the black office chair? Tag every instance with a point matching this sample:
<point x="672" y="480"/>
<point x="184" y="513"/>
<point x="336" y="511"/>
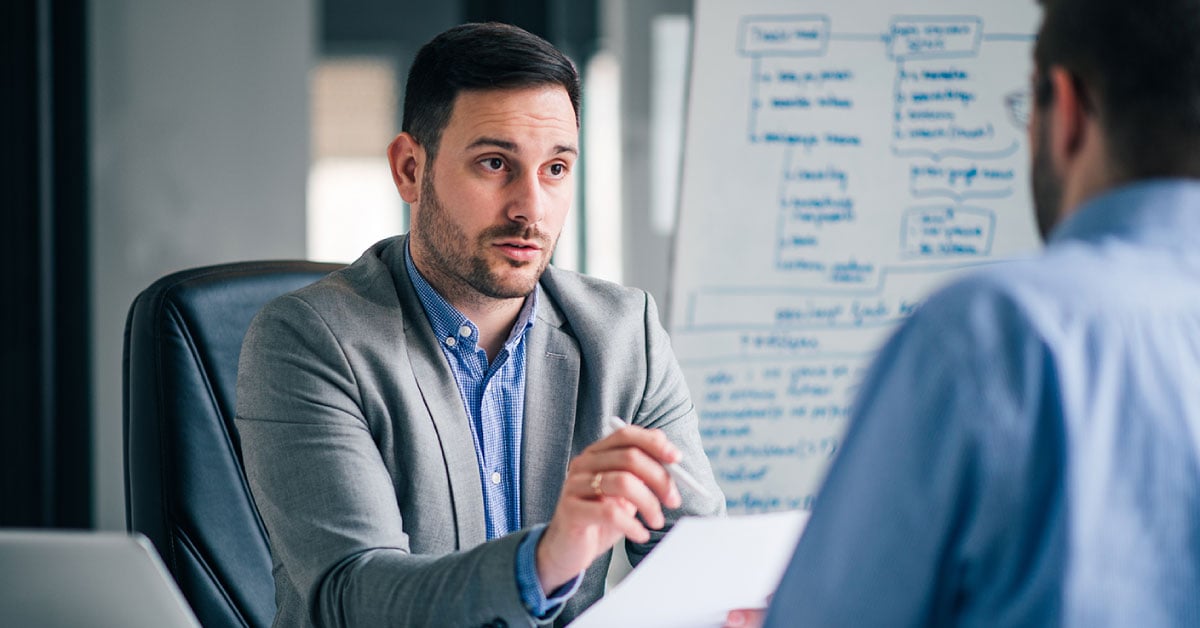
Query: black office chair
<point x="185" y="488"/>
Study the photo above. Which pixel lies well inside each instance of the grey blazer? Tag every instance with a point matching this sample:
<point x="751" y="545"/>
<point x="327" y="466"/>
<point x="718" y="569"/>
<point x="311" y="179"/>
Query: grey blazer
<point x="359" y="452"/>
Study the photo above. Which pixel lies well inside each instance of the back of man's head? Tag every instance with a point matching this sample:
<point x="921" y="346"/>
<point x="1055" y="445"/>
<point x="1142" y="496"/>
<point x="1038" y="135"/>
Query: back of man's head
<point x="1139" y="65"/>
<point x="489" y="56"/>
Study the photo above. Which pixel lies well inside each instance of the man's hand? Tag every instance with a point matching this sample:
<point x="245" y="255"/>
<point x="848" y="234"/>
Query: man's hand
<point x="746" y="618"/>
<point x="607" y="486"/>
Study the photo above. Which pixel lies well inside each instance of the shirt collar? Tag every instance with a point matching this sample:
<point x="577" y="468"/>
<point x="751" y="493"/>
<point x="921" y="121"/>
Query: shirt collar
<point x="1161" y="212"/>
<point x="447" y="321"/>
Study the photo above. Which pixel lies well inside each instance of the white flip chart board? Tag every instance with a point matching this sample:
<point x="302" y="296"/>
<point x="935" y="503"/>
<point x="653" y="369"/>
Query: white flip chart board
<point x="842" y="160"/>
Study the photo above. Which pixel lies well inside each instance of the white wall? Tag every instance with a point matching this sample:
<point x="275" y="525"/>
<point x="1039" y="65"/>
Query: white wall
<point x="199" y="155"/>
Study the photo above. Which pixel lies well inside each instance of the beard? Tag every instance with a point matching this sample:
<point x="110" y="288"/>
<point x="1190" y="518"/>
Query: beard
<point x="460" y="267"/>
<point x="1046" y="187"/>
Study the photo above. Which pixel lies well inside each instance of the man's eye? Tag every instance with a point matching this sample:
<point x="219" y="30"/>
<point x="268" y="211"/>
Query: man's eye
<point x="493" y="163"/>
<point x="557" y="169"/>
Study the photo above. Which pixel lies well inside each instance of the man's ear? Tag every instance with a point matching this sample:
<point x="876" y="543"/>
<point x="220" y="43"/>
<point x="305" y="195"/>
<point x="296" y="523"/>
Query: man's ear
<point x="407" y="160"/>
<point x="1068" y="126"/>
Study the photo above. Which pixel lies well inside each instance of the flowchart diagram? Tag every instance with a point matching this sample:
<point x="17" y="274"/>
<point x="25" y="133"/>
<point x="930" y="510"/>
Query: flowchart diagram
<point x="895" y="158"/>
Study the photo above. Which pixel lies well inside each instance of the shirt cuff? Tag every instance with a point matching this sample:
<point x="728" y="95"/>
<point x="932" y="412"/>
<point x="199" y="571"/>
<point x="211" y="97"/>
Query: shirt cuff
<point x="536" y="601"/>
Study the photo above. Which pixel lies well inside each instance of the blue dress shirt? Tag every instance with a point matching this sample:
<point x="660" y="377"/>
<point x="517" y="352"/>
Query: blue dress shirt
<point x="493" y="395"/>
<point x="1024" y="451"/>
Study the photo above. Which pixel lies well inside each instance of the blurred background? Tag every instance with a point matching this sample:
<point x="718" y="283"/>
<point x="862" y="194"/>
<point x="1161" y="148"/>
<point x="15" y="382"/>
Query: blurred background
<point x="142" y="137"/>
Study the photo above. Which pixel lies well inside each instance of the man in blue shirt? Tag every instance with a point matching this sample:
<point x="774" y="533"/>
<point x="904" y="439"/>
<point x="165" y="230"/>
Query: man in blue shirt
<point x="422" y="431"/>
<point x="1025" y="450"/>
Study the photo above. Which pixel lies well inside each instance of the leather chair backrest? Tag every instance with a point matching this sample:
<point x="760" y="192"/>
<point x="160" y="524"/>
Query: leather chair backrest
<point x="185" y="488"/>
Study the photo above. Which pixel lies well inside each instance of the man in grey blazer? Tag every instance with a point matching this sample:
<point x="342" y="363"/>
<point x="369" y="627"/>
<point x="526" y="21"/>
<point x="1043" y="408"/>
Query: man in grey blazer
<point x="422" y="431"/>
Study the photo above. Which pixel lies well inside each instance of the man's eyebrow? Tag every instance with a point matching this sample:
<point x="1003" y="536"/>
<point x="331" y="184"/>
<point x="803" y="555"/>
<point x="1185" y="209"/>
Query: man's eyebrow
<point x="512" y="146"/>
<point x="491" y="141"/>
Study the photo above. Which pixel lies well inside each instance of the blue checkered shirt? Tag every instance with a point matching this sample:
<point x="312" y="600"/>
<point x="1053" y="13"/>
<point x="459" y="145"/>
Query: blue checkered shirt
<point x="494" y="397"/>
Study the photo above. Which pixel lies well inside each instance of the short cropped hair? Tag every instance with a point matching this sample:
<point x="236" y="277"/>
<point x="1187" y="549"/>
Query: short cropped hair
<point x="1139" y="64"/>
<point x="489" y="56"/>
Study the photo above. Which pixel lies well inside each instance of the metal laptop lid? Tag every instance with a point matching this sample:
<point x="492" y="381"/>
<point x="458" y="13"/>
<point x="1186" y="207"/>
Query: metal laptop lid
<point x="58" y="579"/>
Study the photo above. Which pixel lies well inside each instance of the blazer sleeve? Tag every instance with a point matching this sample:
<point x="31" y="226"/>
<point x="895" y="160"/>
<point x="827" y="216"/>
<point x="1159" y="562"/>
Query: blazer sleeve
<point x="328" y="500"/>
<point x="667" y="405"/>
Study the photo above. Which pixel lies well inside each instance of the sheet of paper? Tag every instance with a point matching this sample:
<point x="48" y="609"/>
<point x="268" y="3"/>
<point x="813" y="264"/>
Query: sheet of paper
<point x="703" y="568"/>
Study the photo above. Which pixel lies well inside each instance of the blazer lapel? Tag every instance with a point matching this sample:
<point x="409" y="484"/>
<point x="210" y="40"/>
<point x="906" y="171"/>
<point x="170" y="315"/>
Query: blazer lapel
<point x="441" y="396"/>
<point x="551" y="392"/>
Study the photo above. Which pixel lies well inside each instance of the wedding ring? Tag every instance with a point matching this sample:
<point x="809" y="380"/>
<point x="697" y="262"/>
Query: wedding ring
<point x="596" y="484"/>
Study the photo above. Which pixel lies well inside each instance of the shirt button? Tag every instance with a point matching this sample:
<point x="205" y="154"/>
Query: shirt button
<point x="495" y="477"/>
<point x="464" y="331"/>
<point x="450" y="341"/>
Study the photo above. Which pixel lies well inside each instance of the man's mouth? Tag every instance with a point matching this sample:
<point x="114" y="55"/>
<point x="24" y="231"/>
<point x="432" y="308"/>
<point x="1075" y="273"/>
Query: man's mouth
<point x="519" y="250"/>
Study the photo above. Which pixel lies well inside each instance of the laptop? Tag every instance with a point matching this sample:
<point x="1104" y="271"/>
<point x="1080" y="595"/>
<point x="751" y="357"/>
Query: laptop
<point x="59" y="579"/>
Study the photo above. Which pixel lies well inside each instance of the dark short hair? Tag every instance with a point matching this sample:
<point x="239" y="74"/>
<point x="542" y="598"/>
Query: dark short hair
<point x="490" y="56"/>
<point x="1139" y="64"/>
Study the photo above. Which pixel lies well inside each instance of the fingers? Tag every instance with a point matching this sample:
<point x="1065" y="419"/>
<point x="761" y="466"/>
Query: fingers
<point x="617" y="515"/>
<point x="619" y="486"/>
<point x="745" y="618"/>
<point x="639" y="451"/>
<point x="653" y="442"/>
<point x="633" y="461"/>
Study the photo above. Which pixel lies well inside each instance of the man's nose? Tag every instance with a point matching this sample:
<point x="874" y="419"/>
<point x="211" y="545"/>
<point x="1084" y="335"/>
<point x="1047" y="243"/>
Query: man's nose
<point x="527" y="203"/>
